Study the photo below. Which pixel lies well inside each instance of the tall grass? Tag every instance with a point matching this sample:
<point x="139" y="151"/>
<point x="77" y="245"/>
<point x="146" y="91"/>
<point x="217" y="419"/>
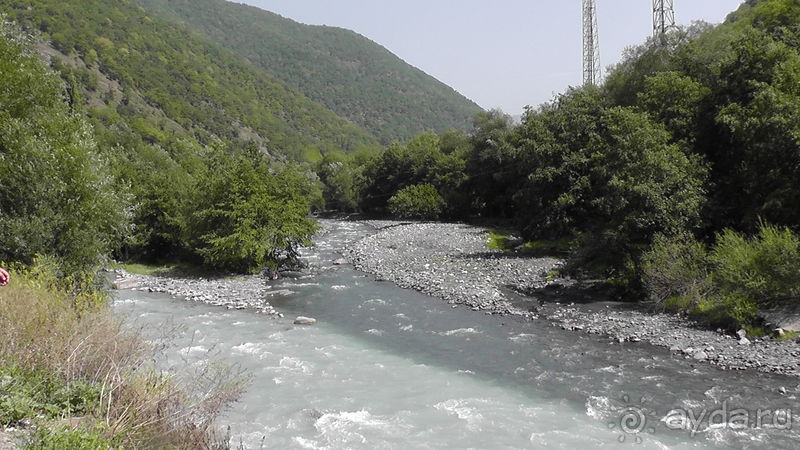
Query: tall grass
<point x="54" y="339"/>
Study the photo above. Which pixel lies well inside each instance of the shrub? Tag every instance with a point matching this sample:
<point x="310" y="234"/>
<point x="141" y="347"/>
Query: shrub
<point x="675" y="272"/>
<point x="765" y="270"/>
<point x="60" y="359"/>
<point x="63" y="437"/>
<point x="420" y="201"/>
<point x="726" y="286"/>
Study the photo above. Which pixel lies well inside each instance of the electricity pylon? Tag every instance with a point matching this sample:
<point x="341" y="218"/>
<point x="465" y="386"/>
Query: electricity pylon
<point x="591" y="44"/>
<point x="663" y="16"/>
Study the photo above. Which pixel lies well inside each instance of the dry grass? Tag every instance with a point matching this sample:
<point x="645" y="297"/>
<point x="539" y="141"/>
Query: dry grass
<point x="44" y="330"/>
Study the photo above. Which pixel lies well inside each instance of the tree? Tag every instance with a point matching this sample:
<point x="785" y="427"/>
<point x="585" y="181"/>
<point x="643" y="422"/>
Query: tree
<point x="608" y="175"/>
<point x="338" y="174"/>
<point x="490" y="165"/>
<point x="250" y="215"/>
<point x="420" y="162"/>
<point x="417" y="202"/>
<point x="57" y="196"/>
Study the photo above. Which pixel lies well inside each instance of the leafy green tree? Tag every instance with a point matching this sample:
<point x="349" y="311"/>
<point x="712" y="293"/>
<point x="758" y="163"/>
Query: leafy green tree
<point x="250" y="215"/>
<point x="422" y="161"/>
<point x="609" y="175"/>
<point x="675" y="101"/>
<point x="57" y="196"/>
<point x="491" y="165"/>
<point x="757" y="156"/>
<point x="627" y="78"/>
<point x="420" y="201"/>
<point x="338" y="174"/>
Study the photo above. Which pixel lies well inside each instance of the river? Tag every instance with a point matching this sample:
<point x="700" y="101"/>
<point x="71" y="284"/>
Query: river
<point x="387" y="368"/>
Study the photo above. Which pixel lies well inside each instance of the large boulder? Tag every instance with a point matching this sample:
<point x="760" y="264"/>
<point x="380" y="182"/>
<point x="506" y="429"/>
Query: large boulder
<point x="786" y="318"/>
<point x="125" y="283"/>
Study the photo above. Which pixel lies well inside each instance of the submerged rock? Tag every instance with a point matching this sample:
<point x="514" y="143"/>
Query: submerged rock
<point x="279" y="293"/>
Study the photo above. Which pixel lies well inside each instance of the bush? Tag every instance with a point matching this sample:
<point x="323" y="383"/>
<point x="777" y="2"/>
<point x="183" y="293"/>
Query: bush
<point x="63" y="437"/>
<point x="420" y="201"/>
<point x="675" y="272"/>
<point x="765" y="270"/>
<point x="726" y="286"/>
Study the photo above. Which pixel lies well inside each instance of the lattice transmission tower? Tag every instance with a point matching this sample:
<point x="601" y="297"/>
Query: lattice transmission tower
<point x="663" y="16"/>
<point x="591" y="44"/>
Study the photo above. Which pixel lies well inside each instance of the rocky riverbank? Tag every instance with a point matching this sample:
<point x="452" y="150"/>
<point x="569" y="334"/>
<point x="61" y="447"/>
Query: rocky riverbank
<point x="453" y="262"/>
<point x="232" y="292"/>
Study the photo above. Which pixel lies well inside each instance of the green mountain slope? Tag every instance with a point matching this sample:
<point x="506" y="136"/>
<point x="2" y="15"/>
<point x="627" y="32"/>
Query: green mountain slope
<point x="351" y="75"/>
<point x="199" y="86"/>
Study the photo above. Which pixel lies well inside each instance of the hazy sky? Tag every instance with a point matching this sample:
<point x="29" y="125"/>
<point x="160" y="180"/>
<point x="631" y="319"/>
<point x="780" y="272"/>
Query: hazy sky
<point x="501" y="53"/>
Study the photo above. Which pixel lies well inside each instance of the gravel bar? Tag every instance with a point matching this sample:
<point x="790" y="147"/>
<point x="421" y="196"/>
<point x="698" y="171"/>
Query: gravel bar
<point x="453" y="262"/>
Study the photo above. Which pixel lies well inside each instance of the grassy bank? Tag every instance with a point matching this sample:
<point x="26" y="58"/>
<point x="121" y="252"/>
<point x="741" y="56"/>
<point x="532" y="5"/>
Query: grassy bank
<point x="71" y="376"/>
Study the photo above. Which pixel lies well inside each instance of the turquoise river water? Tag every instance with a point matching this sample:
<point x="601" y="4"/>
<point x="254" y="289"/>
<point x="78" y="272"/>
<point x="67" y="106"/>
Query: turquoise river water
<point x="387" y="368"/>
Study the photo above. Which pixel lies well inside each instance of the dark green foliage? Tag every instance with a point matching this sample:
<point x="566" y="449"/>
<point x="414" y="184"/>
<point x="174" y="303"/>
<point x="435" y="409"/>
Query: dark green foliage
<point x="349" y="74"/>
<point x="730" y="95"/>
<point x="420" y="201"/>
<point x="608" y="174"/>
<point x="492" y="166"/>
<point x="56" y="195"/>
<point x="338" y="174"/>
<point x="427" y="159"/>
<point x="250" y="215"/>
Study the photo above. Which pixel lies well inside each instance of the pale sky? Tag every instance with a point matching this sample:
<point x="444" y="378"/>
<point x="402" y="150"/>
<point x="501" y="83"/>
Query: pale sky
<point x="501" y="53"/>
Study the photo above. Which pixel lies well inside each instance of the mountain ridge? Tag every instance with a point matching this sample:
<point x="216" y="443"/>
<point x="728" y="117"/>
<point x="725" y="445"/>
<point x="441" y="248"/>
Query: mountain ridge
<point x="347" y="72"/>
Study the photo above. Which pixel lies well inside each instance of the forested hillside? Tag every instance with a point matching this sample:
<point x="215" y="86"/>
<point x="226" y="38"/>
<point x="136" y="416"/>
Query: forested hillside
<point x="143" y="140"/>
<point x="349" y="74"/>
<point x="204" y="89"/>
<point x="678" y="179"/>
